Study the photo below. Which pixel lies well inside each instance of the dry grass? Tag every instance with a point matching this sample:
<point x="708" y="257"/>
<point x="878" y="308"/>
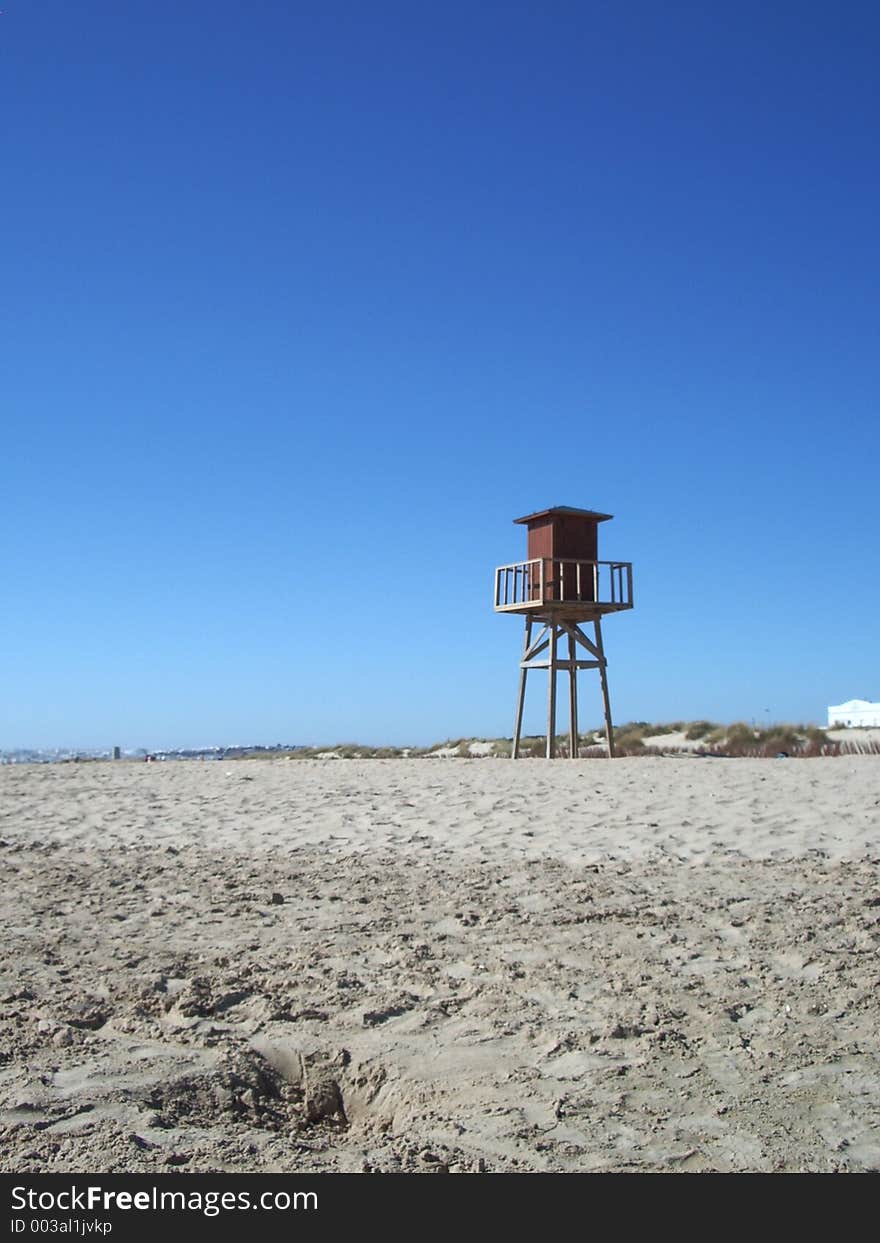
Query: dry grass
<point x="736" y="740"/>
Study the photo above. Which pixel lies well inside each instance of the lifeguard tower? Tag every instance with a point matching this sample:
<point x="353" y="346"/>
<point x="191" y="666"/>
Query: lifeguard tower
<point x="561" y="587"/>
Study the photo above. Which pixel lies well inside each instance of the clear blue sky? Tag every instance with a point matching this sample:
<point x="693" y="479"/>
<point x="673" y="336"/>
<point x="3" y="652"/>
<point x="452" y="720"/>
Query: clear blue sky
<point x="304" y="302"/>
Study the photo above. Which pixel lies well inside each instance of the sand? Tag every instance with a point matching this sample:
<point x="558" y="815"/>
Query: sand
<point x="441" y="965"/>
<point x="854" y="740"/>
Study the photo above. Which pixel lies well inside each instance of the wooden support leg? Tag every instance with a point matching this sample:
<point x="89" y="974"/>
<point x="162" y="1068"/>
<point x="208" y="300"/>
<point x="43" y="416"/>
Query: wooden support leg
<point x="603" y="674"/>
<point x="551" y="697"/>
<point x="521" y="697"/>
<point x="572" y="697"/>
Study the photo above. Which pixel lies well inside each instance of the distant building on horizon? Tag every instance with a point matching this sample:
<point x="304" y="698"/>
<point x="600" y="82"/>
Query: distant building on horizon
<point x="855" y="712"/>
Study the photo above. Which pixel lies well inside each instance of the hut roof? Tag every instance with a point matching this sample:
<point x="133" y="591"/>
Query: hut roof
<point x="565" y="509"/>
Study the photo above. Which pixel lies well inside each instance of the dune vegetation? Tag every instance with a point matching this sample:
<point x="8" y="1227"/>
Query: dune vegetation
<point x="632" y="739"/>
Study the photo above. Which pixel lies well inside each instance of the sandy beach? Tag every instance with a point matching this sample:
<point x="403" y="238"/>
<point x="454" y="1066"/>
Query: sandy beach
<point x="441" y="965"/>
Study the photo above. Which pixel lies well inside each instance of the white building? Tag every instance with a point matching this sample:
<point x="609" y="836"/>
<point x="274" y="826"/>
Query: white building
<point x="855" y="712"/>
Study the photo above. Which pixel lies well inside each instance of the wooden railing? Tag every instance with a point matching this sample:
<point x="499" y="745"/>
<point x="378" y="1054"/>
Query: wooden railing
<point x="563" y="580"/>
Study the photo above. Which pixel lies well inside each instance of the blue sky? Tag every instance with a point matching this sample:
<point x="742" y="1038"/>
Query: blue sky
<point x="303" y="302"/>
